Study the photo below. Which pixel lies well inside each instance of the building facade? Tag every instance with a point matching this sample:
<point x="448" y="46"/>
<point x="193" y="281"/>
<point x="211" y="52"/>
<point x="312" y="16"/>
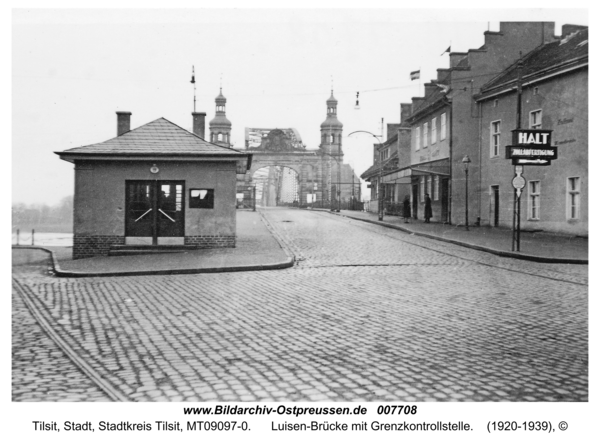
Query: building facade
<point x="554" y="83"/>
<point x="431" y="121"/>
<point x="439" y="166"/>
<point x="454" y="122"/>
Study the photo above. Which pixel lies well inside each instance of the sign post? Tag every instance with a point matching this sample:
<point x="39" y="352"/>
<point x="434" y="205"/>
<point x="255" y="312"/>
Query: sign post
<point x="530" y="147"/>
<point x="518" y="183"/>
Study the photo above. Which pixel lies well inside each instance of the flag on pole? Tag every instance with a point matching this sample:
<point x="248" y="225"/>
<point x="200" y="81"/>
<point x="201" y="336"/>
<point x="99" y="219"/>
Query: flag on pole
<point x="193" y="76"/>
<point x="447" y="50"/>
<point x="415" y="75"/>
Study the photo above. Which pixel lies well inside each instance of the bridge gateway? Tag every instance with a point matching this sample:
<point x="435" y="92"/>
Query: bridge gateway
<point x="316" y="170"/>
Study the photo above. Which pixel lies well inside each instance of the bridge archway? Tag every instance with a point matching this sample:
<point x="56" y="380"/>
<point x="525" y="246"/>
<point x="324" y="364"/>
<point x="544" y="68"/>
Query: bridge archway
<point x="276" y="186"/>
<point x="282" y="149"/>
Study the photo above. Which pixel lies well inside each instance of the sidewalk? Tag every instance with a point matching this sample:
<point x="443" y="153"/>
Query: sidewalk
<point x="257" y="248"/>
<point x="540" y="247"/>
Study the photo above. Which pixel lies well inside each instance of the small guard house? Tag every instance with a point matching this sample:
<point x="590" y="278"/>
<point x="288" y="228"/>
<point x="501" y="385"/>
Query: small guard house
<point x="154" y="188"/>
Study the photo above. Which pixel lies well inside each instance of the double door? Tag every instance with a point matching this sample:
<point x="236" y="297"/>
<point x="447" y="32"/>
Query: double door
<point x="154" y="209"/>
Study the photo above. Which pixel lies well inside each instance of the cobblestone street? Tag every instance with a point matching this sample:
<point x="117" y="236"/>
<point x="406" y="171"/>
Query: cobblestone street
<point x="367" y="314"/>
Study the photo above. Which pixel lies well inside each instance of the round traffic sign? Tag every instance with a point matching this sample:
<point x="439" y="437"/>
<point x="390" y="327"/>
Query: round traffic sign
<point x="518" y="182"/>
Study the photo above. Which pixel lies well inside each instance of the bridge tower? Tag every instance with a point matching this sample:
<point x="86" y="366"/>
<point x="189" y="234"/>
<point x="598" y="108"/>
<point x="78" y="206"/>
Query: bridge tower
<point x="220" y="126"/>
<point x="331" y="150"/>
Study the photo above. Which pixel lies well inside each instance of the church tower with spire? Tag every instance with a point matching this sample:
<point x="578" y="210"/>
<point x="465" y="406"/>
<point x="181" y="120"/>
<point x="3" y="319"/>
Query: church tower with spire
<point x="220" y="126"/>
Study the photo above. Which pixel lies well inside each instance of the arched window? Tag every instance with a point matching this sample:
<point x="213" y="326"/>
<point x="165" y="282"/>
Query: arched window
<point x="220" y="137"/>
<point x="332" y="139"/>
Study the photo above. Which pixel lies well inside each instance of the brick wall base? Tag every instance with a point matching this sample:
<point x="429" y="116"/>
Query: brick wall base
<point x="210" y="242"/>
<point x="86" y="246"/>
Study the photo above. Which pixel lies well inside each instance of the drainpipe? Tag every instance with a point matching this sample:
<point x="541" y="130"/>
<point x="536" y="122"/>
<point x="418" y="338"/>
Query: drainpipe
<point x="480" y="116"/>
<point x="450" y="187"/>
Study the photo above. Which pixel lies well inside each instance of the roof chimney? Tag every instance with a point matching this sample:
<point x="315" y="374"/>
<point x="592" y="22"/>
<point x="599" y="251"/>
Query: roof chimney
<point x="123" y="122"/>
<point x="430" y="88"/>
<point x="405" y="111"/>
<point x="456" y="57"/>
<point x="568" y="29"/>
<point x="199" y="123"/>
<point x="416" y="102"/>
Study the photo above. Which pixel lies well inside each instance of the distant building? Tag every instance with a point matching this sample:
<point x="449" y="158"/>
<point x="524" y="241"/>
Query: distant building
<point x="555" y="98"/>
<point x="391" y="160"/>
<point x="154" y="186"/>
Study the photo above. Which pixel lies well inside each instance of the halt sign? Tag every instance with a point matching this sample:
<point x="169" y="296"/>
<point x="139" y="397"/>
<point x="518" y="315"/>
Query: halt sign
<point x="532" y="147"/>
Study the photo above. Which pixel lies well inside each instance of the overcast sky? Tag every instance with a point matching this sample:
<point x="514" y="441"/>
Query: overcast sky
<point x="72" y="70"/>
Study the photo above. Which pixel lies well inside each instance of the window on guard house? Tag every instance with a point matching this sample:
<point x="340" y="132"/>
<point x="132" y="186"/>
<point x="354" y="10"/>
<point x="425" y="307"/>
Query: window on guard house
<point x="202" y="198"/>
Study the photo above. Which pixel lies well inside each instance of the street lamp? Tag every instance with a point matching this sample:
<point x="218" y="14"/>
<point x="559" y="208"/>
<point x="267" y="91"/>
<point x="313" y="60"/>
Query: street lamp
<point x="466" y="160"/>
<point x="379" y="178"/>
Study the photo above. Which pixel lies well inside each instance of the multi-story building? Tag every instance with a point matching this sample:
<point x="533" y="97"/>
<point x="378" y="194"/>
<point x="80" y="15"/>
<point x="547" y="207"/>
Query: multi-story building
<point x="445" y="121"/>
<point x="554" y="80"/>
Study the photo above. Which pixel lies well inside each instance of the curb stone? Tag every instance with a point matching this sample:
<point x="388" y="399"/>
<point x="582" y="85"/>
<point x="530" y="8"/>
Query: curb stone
<point x="473" y="246"/>
<point x="289" y="262"/>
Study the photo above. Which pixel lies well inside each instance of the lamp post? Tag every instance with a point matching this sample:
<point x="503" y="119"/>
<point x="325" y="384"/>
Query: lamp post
<point x="379" y="177"/>
<point x="339" y="176"/>
<point x="466" y="160"/>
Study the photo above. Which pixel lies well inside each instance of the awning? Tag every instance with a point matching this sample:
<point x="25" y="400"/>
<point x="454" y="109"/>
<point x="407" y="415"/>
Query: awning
<point x="399" y="177"/>
<point x="441" y="167"/>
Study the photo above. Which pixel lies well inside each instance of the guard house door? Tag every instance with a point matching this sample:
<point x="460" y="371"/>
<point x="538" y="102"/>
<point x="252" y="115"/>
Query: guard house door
<point x="154" y="210"/>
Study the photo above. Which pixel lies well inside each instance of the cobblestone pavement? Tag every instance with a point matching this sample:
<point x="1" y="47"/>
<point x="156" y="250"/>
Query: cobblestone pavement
<point x="40" y="369"/>
<point x="367" y="314"/>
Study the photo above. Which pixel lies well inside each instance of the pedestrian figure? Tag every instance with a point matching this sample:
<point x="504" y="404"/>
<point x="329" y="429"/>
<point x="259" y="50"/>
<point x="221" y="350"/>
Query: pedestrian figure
<point x="406" y="208"/>
<point x="428" y="212"/>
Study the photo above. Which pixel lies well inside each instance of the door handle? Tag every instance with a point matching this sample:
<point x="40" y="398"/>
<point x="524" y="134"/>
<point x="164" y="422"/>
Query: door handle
<point x="144" y="214"/>
<point x="161" y="211"/>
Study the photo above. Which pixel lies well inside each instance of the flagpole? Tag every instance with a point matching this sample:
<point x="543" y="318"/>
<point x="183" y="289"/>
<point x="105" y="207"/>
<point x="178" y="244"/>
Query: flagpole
<point x="194" y="83"/>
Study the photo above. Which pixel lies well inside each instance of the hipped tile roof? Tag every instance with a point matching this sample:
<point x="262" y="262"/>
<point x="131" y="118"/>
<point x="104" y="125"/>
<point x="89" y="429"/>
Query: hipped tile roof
<point x="159" y="137"/>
